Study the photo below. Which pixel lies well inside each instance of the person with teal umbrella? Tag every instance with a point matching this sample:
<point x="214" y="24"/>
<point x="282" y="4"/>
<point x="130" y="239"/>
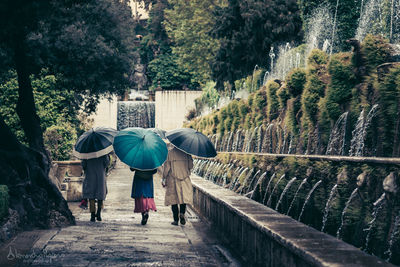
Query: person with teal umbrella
<point x="144" y="151"/>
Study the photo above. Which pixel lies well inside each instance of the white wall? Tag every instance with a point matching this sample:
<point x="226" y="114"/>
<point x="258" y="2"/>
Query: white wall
<point x="172" y="107"/>
<point x="106" y="114"/>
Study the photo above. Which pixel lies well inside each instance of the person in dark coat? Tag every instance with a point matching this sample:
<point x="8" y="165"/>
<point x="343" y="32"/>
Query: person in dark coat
<point x="95" y="186"/>
<point x="143" y="193"/>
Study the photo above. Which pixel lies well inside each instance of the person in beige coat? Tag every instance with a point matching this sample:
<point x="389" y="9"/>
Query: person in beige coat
<point x="176" y="179"/>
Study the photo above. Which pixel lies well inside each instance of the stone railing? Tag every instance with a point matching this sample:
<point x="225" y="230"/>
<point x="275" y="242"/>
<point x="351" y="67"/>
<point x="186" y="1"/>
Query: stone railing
<point x="264" y="237"/>
<point x="68" y="176"/>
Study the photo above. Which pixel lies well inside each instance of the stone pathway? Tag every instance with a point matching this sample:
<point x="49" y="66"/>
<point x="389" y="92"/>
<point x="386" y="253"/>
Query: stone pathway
<point x="120" y="239"/>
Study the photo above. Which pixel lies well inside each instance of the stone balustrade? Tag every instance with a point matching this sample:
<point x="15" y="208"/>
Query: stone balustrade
<point x="264" y="237"/>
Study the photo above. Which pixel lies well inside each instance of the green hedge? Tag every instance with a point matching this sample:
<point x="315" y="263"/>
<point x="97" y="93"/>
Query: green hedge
<point x="3" y="201"/>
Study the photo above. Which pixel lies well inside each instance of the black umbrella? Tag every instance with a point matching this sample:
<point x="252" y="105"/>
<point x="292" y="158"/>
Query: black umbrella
<point x="192" y="142"/>
<point x="158" y="131"/>
<point x="95" y="143"/>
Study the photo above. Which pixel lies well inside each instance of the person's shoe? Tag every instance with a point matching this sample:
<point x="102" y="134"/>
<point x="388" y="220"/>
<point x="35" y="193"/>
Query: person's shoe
<point x="174" y="223"/>
<point x="92" y="217"/>
<point x="83" y="205"/>
<point x="98" y="215"/>
<point x="182" y="218"/>
<point x="145" y="217"/>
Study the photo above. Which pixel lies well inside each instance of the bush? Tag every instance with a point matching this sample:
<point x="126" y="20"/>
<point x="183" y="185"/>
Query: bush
<point x="376" y="51"/>
<point x="315" y="86"/>
<point x="317" y="57"/>
<point x="259" y="101"/>
<point x="343" y="80"/>
<point x="296" y="80"/>
<point x="272" y="100"/>
<point x="283" y="96"/>
<point x="59" y="140"/>
<point x="389" y="99"/>
<point x="3" y="202"/>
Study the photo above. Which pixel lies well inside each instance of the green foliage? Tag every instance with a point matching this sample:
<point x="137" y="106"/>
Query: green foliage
<point x="4" y="197"/>
<point x="210" y="95"/>
<point x="53" y="103"/>
<point x="242" y="44"/>
<point x="59" y="139"/>
<point x="376" y="51"/>
<point x="259" y="101"/>
<point x="389" y="99"/>
<point x="290" y="119"/>
<point x="316" y="58"/>
<point x="296" y="80"/>
<point x="283" y="96"/>
<point x="343" y="80"/>
<point x="188" y="24"/>
<point x="347" y="14"/>
<point x="314" y="88"/>
<point x="166" y="72"/>
<point x="272" y="100"/>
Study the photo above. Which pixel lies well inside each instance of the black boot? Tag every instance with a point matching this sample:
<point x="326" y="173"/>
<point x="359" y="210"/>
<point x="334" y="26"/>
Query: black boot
<point x="98" y="214"/>
<point x="145" y="216"/>
<point x="92" y="217"/>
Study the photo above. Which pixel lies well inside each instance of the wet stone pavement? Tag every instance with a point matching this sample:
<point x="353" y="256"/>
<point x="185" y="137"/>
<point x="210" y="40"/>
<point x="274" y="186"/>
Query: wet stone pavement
<point x="120" y="239"/>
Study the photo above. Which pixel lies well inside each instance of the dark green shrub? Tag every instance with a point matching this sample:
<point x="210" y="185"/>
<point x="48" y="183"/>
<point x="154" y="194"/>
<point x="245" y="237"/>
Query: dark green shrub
<point x="3" y="202"/>
<point x="283" y="96"/>
<point x="59" y="140"/>
<point x="315" y="86"/>
<point x="376" y="51"/>
<point x="293" y="107"/>
<point x="272" y="100"/>
<point x="317" y="57"/>
<point x="296" y="80"/>
<point x="389" y="99"/>
<point x="243" y="109"/>
<point x="259" y="101"/>
<point x="228" y="123"/>
<point x="343" y="80"/>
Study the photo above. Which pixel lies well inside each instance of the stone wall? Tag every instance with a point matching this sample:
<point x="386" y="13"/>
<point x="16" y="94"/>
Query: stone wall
<point x="173" y="106"/>
<point x="264" y="237"/>
<point x="106" y="113"/>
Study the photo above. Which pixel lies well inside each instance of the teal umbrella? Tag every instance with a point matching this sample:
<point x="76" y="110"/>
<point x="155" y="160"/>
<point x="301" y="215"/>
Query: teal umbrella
<point x="140" y="148"/>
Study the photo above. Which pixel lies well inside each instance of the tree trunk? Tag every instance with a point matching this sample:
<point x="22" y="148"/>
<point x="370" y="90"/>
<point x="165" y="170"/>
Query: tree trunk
<point x="33" y="195"/>
<point x="26" y="109"/>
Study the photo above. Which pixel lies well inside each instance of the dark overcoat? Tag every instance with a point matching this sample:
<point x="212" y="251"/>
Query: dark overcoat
<point x="95" y="185"/>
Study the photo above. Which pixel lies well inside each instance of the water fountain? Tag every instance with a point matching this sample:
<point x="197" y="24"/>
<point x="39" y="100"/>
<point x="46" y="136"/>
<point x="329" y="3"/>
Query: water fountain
<point x="135" y="114"/>
<point x="267" y="188"/>
<point x="259" y="180"/>
<point x="288" y="185"/>
<point x="328" y="206"/>
<point x="393" y="235"/>
<point x="370" y="19"/>
<point x="295" y="195"/>
<point x="377" y="208"/>
<point x="308" y="199"/>
<point x="334" y="28"/>
<point x="360" y="131"/>
<point x="273" y="190"/>
<point x="353" y="194"/>
<point x="337" y="138"/>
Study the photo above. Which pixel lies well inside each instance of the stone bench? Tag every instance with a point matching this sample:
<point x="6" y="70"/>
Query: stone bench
<point x="264" y="237"/>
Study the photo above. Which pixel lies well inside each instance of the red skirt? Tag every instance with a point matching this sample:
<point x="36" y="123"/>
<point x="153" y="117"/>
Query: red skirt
<point x="144" y="204"/>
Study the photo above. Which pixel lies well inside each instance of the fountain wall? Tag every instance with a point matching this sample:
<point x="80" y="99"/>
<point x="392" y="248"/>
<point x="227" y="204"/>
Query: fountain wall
<point x="351" y="198"/>
<point x="135" y="114"/>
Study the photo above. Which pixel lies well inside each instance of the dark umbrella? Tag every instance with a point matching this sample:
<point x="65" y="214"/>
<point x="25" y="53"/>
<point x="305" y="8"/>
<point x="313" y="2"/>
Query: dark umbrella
<point x="95" y="143"/>
<point x="158" y="131"/>
<point x="192" y="142"/>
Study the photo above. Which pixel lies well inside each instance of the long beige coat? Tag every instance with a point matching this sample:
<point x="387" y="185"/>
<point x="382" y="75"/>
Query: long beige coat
<point x="176" y="172"/>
